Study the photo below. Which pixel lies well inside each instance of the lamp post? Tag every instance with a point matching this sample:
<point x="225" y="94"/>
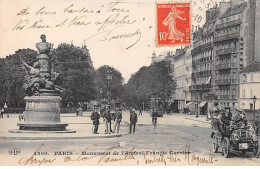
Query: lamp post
<point x="109" y="79"/>
<point x="254" y="100"/>
<point x="197" y="107"/>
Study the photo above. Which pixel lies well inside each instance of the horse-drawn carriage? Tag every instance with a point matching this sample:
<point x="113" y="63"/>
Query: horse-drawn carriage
<point x="233" y="134"/>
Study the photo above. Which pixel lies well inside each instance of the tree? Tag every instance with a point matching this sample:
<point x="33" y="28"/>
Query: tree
<point x="77" y="74"/>
<point x="115" y="85"/>
<point x="73" y="63"/>
<point x="154" y="78"/>
<point x="14" y="75"/>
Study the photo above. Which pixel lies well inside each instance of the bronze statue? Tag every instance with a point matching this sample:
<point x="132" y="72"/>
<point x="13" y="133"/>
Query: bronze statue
<point x="40" y="77"/>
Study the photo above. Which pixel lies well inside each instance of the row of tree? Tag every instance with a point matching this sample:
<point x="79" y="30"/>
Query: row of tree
<point x="156" y="78"/>
<point x="82" y="82"/>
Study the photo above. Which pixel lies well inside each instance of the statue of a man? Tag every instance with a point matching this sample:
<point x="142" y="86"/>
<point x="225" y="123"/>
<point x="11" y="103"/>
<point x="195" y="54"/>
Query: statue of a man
<point x="44" y="47"/>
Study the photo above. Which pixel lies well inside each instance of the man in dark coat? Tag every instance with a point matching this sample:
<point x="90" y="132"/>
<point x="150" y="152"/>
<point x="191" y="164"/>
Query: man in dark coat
<point x="140" y="111"/>
<point x="154" y="116"/>
<point x="107" y="118"/>
<point x="133" y="121"/>
<point x="95" y="118"/>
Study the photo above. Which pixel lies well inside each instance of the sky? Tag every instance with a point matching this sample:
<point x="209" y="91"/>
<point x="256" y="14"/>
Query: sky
<point x="119" y="33"/>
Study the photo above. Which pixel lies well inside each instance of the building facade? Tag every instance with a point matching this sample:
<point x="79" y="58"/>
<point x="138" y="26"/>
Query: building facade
<point x="182" y="75"/>
<point x="203" y="54"/>
<point x="250" y="86"/>
<point x="233" y="50"/>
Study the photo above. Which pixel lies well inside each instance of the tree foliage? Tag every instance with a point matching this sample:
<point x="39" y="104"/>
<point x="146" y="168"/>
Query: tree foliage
<point x="154" y="78"/>
<point x="77" y="73"/>
<point x="13" y="75"/>
<point x="73" y="63"/>
<point x="115" y="85"/>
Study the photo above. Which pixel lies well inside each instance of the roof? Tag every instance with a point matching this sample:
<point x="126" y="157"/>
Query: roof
<point x="253" y="67"/>
<point x="234" y="10"/>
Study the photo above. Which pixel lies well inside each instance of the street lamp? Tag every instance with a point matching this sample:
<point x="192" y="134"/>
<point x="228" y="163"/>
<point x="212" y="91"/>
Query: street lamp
<point x="254" y="100"/>
<point x="109" y="78"/>
<point x="197" y="107"/>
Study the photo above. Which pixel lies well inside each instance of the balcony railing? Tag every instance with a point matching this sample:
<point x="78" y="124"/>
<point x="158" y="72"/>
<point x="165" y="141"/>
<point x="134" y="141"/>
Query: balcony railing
<point x="224" y="96"/>
<point x="228" y="24"/>
<point x="226" y="51"/>
<point x="201" y="73"/>
<point x="228" y="97"/>
<point x="226" y="66"/>
<point x="226" y="81"/>
<point x="200" y="87"/>
<point x="201" y="46"/>
<point x="227" y="37"/>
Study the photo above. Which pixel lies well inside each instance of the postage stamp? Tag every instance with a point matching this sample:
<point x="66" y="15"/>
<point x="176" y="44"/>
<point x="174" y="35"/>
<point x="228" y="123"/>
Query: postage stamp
<point x="173" y="24"/>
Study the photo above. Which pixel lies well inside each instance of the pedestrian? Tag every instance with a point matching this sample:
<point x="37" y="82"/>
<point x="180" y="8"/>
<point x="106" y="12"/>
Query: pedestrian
<point x="140" y="112"/>
<point x="79" y="112"/>
<point x="133" y="121"/>
<point x="107" y="118"/>
<point x="131" y="110"/>
<point x="154" y="116"/>
<point x="95" y="118"/>
<point x="118" y="118"/>
<point x="2" y="113"/>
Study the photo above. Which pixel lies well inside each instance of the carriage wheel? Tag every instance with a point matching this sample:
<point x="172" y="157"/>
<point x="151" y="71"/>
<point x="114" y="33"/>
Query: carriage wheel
<point x="226" y="147"/>
<point x="256" y="150"/>
<point x="214" y="144"/>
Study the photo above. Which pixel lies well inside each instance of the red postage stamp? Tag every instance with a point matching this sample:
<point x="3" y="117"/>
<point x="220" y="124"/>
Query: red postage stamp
<point x="173" y="24"/>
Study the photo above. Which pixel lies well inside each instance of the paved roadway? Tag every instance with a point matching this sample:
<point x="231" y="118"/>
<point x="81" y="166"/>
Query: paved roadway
<point x="172" y="133"/>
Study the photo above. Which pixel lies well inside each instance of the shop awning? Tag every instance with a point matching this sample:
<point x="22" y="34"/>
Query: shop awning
<point x="202" y="103"/>
<point x="188" y="104"/>
<point x="208" y="81"/>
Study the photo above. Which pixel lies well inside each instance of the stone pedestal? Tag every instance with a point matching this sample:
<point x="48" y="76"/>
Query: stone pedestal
<point x="42" y="113"/>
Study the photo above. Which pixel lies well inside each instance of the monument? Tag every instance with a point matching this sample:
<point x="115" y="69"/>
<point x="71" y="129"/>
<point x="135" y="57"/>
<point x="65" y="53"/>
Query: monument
<point x="42" y="111"/>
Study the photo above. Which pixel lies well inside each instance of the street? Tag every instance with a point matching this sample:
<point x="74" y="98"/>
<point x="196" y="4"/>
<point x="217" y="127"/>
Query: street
<point x="173" y="132"/>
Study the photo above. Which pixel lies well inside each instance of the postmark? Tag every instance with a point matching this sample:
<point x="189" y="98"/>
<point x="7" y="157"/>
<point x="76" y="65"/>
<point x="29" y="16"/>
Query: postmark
<point x="173" y="24"/>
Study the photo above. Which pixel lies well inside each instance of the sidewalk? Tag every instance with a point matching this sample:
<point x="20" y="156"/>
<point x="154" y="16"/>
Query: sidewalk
<point x="81" y="124"/>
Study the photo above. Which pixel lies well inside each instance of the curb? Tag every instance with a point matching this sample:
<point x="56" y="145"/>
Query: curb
<point x="60" y="138"/>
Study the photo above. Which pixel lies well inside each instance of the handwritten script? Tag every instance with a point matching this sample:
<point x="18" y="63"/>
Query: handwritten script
<point x="112" y="155"/>
<point x="110" y="22"/>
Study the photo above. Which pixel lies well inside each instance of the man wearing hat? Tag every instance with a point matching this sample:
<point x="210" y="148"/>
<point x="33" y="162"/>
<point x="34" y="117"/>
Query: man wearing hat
<point x="95" y="118"/>
<point x="133" y="121"/>
<point x="118" y="118"/>
<point x="107" y="118"/>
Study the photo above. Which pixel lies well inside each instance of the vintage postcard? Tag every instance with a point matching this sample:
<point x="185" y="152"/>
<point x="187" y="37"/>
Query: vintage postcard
<point x="129" y="83"/>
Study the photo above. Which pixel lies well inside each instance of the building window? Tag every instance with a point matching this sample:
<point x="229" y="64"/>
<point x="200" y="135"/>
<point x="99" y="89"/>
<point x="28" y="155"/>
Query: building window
<point x="244" y="79"/>
<point x="251" y="93"/>
<point x="243" y="93"/>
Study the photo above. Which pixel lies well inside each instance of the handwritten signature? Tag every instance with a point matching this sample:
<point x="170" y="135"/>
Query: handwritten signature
<point x="36" y="161"/>
<point x="110" y="35"/>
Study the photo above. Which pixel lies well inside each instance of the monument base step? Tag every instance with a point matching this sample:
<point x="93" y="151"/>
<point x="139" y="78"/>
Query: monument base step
<point x="42" y="126"/>
<point x="39" y="132"/>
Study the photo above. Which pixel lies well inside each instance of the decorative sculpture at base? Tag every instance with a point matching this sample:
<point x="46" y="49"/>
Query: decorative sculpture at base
<point x="42" y="111"/>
